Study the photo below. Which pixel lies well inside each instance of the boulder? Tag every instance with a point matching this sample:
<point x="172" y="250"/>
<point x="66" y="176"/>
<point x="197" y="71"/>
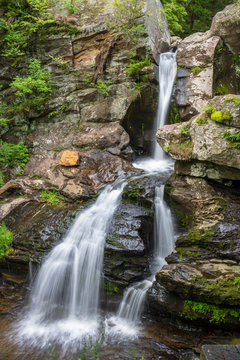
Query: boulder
<point x="69" y="158"/>
<point x="195" y="78"/>
<point x="110" y="136"/>
<point x="206" y="140"/>
<point x="209" y="282"/>
<point x="226" y="24"/>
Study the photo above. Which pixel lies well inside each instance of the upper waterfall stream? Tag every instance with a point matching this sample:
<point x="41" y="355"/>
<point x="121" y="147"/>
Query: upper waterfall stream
<point x="133" y="299"/>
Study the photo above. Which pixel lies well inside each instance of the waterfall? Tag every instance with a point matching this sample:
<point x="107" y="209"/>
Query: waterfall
<point x="158" y="162"/>
<point x="163" y="230"/>
<point x="133" y="298"/>
<point x="67" y="286"/>
<point x="167" y="74"/>
<point x="132" y="302"/>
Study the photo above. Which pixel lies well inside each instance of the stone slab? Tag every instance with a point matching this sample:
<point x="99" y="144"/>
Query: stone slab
<point x="220" y="352"/>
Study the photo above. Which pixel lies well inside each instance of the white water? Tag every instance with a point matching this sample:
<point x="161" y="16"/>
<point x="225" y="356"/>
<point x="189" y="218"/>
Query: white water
<point x="164" y="240"/>
<point x="158" y="162"/>
<point x="133" y="299"/>
<point x="65" y="297"/>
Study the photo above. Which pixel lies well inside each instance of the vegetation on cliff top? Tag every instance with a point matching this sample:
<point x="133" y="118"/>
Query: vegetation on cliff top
<point x="186" y="17"/>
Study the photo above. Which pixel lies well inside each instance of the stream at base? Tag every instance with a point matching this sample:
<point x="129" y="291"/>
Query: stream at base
<point x="162" y="340"/>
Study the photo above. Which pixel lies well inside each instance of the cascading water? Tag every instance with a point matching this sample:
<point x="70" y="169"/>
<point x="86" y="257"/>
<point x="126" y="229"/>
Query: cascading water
<point x="66" y="290"/>
<point x="65" y="297"/>
<point x="167" y="74"/>
<point x="133" y="298"/>
<point x="163" y="229"/>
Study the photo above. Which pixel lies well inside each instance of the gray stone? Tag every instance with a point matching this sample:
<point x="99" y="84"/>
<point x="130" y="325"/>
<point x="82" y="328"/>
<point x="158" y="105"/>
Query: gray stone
<point x="220" y="352"/>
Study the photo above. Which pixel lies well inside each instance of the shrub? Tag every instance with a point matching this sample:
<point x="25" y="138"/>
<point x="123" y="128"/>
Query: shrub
<point x="33" y="90"/>
<point x="125" y="20"/>
<point x="135" y="67"/>
<point x="103" y="87"/>
<point x="13" y="154"/>
<point x="6" y="237"/>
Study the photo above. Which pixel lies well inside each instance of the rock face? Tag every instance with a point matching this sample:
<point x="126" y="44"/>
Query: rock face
<point x="226" y="24"/>
<point x="203" y="141"/>
<point x="157" y="28"/>
<point x="206" y="62"/>
<point x="195" y="79"/>
<point x="200" y="281"/>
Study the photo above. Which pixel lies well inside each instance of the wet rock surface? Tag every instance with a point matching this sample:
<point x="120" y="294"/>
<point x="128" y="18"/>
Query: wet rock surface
<point x="201" y="277"/>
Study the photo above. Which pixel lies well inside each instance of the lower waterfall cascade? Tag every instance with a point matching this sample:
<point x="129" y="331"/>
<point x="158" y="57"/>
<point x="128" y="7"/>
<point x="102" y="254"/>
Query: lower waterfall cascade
<point x="64" y="302"/>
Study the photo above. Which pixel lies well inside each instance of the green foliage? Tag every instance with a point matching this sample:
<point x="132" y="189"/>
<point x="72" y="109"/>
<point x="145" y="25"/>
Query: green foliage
<point x="236" y="59"/>
<point x="6" y="238"/>
<point x="135" y="67"/>
<point x="233" y="99"/>
<point x="2" y="182"/>
<point x="30" y="93"/>
<point x="187" y="253"/>
<point x="176" y="14"/>
<point x="125" y="20"/>
<point x="184" y="130"/>
<point x="220" y="116"/>
<point x="111" y="288"/>
<point x="12" y="155"/>
<point x="222" y="89"/>
<point x="188" y="16"/>
<point x="33" y="90"/>
<point x="233" y="138"/>
<point x="201" y="121"/>
<point x="196" y="237"/>
<point x="166" y="148"/>
<point x="196" y="70"/>
<point x="73" y="6"/>
<point x="197" y="310"/>
<point x="52" y="197"/>
<point x="209" y="109"/>
<point x="91" y="349"/>
<point x="103" y="87"/>
<point x="27" y="17"/>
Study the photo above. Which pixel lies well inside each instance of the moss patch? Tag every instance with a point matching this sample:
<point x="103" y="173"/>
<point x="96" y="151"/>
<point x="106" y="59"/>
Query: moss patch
<point x="214" y="314"/>
<point x="220" y="116"/>
<point x="202" y="120"/>
<point x="197" y="237"/>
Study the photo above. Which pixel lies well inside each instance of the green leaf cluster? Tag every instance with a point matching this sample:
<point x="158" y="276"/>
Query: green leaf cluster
<point x="126" y="18"/>
<point x="188" y="16"/>
<point x="6" y="237"/>
<point x="52" y="197"/>
<point x="197" y="310"/>
<point x="20" y="21"/>
<point x="103" y="87"/>
<point x="233" y="138"/>
<point x="135" y="67"/>
<point x="13" y="154"/>
<point x="30" y="93"/>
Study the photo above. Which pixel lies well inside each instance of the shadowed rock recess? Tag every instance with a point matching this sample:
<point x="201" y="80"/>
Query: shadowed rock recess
<point x="201" y="281"/>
